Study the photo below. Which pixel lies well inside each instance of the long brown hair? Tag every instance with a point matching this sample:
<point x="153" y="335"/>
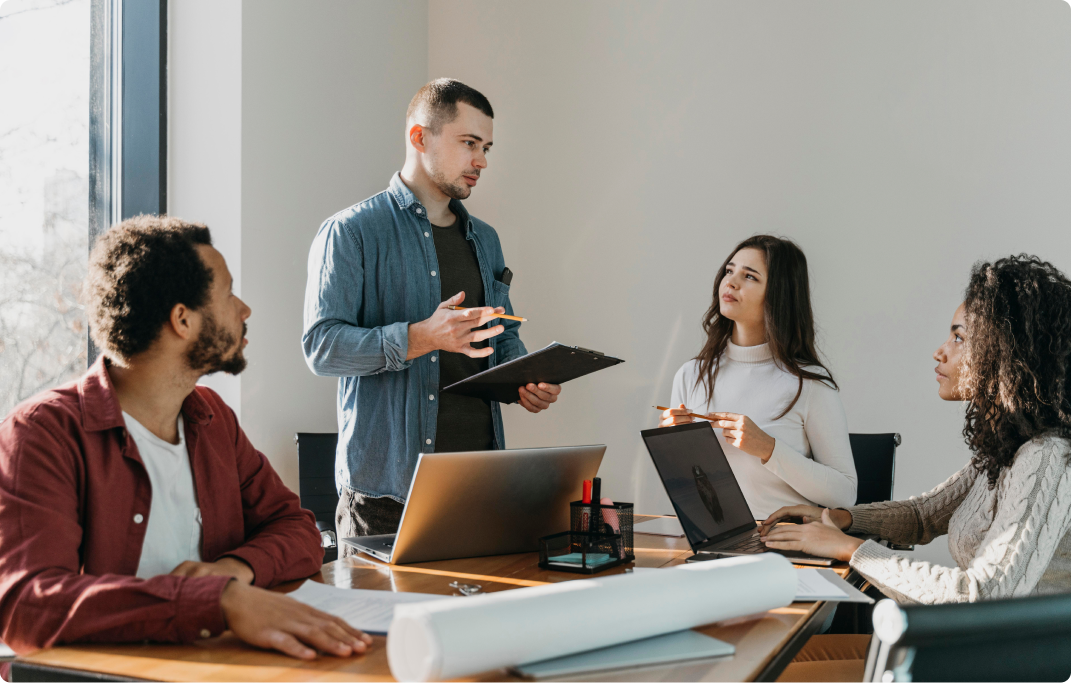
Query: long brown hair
<point x="1017" y="366"/>
<point x="786" y="312"/>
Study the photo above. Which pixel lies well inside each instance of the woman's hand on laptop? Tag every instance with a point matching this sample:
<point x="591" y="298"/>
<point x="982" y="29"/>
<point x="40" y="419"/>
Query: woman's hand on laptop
<point x="842" y="519"/>
<point x="822" y="537"/>
<point x="276" y="622"/>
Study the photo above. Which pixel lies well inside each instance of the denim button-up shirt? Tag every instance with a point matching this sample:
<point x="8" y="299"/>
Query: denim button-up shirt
<point x="373" y="271"/>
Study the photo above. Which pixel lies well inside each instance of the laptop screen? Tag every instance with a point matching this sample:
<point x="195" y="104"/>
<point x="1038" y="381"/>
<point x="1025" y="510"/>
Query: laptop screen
<point x="699" y="481"/>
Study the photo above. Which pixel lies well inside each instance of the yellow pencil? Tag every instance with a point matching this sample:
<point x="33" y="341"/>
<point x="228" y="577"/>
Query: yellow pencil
<point x="495" y="315"/>
<point x="702" y="417"/>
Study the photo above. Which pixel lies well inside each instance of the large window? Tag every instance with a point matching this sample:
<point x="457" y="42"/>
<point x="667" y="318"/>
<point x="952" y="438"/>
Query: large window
<point x="44" y="167"/>
<point x="82" y="146"/>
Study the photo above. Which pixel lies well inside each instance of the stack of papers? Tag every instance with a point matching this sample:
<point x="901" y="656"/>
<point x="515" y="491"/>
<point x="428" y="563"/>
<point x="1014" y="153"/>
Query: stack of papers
<point x="368" y="611"/>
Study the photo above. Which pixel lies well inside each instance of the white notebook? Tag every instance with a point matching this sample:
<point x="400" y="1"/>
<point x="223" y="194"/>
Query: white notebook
<point x="671" y="647"/>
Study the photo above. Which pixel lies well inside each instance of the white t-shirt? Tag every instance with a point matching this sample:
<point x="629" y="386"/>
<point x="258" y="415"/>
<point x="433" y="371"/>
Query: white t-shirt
<point x="812" y="460"/>
<point x="173" y="534"/>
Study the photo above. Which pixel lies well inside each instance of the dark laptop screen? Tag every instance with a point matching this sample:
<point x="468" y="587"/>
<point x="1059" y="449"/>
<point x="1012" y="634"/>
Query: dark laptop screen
<point x="698" y="479"/>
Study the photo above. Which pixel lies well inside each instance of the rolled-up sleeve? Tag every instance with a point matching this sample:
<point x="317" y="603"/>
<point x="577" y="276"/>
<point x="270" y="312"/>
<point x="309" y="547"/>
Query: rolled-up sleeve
<point x="333" y="341"/>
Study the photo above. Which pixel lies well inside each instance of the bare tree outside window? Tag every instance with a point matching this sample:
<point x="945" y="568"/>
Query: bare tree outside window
<point x="44" y="153"/>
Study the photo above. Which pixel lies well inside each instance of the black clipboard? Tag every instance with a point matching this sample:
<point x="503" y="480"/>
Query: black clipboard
<point x="554" y="364"/>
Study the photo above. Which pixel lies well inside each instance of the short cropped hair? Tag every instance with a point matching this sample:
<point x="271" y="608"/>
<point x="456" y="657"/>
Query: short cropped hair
<point x="138" y="271"/>
<point x="437" y="103"/>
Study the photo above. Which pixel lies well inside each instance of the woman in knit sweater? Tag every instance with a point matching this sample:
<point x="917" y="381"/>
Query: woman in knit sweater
<point x="1007" y="511"/>
<point x="760" y="380"/>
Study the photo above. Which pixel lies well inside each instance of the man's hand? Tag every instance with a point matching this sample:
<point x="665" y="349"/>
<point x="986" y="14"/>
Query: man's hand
<point x="453" y="331"/>
<point x="740" y="431"/>
<point x="537" y="397"/>
<point x="274" y="621"/>
<point x="821" y="538"/>
<point x="225" y="566"/>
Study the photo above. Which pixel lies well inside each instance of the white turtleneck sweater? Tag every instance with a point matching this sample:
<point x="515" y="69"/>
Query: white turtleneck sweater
<point x="812" y="460"/>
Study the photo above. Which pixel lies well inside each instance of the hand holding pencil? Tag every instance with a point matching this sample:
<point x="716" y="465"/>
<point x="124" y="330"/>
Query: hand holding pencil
<point x="679" y="416"/>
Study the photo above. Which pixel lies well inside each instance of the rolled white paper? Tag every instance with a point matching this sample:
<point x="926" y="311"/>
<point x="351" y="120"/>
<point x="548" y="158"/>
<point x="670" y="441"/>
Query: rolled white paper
<point x="450" y="638"/>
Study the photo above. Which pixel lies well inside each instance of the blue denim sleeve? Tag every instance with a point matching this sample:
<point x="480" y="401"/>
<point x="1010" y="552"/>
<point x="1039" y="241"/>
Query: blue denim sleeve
<point x="333" y="342"/>
<point x="508" y="345"/>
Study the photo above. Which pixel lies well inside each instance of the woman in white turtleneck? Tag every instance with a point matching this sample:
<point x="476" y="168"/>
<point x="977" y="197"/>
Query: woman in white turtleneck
<point x="759" y="378"/>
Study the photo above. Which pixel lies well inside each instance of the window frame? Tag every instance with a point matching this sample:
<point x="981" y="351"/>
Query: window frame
<point x="127" y="115"/>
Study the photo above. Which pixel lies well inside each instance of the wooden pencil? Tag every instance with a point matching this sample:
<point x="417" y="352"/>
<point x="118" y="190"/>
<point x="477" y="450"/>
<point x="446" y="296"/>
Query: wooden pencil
<point x="702" y="417"/>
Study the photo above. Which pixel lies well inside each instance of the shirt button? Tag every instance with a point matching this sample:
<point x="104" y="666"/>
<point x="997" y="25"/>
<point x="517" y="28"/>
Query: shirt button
<point x="205" y="633"/>
<point x="138" y="519"/>
<point x="420" y="211"/>
<point x="428" y="441"/>
<point x="431" y="397"/>
<point x="426" y="234"/>
<point x="433" y="273"/>
<point x="433" y="359"/>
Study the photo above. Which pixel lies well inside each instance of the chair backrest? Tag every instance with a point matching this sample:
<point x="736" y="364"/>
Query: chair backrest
<point x="1019" y="639"/>
<point x="316" y="474"/>
<point x="874" y="456"/>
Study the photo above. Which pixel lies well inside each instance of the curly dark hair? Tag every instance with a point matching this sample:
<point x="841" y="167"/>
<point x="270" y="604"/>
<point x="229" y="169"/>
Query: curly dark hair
<point x="1016" y="368"/>
<point x="138" y="271"/>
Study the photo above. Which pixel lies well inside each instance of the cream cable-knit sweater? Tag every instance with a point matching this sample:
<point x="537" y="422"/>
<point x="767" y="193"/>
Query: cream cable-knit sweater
<point x="1009" y="541"/>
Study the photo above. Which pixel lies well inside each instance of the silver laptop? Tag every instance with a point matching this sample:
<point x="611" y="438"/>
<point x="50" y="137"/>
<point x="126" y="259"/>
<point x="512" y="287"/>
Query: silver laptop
<point x="476" y="503"/>
<point x="706" y="496"/>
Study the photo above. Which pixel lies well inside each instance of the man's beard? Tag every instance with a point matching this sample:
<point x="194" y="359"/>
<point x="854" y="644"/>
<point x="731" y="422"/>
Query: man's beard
<point x="209" y="353"/>
<point x="461" y="191"/>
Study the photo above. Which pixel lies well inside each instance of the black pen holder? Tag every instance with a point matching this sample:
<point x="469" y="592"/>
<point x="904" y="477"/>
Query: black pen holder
<point x="600" y="537"/>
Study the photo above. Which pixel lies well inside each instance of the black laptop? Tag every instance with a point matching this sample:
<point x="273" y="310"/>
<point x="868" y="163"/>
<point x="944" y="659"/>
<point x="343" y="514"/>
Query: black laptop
<point x="706" y="496"/>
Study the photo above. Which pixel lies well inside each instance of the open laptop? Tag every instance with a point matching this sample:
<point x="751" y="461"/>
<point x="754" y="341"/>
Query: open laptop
<point x="706" y="496"/>
<point x="475" y="503"/>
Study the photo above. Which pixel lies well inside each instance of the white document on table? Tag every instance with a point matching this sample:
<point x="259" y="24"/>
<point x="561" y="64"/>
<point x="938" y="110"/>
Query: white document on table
<point x="366" y="610"/>
<point x="824" y="584"/>
<point x="660" y="526"/>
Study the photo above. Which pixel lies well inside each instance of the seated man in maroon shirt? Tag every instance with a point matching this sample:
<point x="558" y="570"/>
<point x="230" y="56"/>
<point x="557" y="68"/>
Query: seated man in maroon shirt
<point x="132" y="506"/>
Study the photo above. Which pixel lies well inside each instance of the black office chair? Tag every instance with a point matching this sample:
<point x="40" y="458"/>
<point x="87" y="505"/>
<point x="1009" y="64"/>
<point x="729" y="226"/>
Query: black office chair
<point x="874" y="456"/>
<point x="1020" y="639"/>
<point x="316" y="485"/>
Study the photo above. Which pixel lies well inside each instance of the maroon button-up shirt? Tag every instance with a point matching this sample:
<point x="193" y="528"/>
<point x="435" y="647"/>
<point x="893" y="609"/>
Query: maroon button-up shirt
<point x="74" y="506"/>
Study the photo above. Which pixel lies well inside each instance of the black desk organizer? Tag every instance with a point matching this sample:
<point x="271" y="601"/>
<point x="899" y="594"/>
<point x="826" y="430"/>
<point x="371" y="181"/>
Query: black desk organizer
<point x="586" y="539"/>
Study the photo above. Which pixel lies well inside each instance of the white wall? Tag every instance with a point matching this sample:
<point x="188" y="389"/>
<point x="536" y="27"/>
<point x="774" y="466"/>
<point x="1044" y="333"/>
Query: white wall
<point x="325" y="87"/>
<point x="637" y="142"/>
<point x="205" y="134"/>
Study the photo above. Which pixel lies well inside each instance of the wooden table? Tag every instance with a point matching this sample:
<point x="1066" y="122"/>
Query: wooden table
<point x="765" y="642"/>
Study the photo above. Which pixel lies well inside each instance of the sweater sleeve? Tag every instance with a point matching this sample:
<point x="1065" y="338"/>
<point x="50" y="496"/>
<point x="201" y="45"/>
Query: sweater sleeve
<point x="920" y="519"/>
<point x="1031" y="518"/>
<point x="828" y="478"/>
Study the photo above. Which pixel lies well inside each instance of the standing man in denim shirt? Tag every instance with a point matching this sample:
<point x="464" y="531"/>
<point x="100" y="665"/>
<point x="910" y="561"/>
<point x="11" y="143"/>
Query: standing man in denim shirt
<point x="382" y="274"/>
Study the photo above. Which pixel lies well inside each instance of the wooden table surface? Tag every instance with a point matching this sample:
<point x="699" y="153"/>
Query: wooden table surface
<point x="758" y="638"/>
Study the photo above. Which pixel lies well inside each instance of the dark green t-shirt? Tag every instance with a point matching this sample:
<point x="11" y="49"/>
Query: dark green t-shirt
<point x="464" y="422"/>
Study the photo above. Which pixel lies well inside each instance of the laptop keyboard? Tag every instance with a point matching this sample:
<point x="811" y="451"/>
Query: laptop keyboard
<point x="752" y="544"/>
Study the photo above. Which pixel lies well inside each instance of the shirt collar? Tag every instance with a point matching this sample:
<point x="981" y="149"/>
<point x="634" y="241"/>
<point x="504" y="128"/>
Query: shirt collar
<point x="100" y="405"/>
<point x="749" y="354"/>
<point x="407" y="201"/>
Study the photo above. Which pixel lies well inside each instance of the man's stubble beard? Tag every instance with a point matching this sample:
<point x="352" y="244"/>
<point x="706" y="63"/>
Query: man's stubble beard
<point x="209" y="353"/>
<point x="451" y="190"/>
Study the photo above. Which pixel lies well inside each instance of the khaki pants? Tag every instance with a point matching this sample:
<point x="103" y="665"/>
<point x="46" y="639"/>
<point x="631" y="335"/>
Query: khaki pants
<point x="830" y="657"/>
<point x="360" y="515"/>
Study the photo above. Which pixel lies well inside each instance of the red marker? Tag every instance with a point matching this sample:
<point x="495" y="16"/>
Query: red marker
<point x="586" y="491"/>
